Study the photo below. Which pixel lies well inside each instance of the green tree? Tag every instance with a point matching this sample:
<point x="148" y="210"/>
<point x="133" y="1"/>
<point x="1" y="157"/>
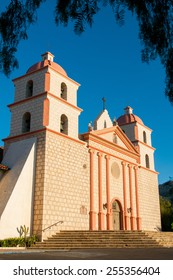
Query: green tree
<point x="166" y="209"/>
<point x="155" y="19"/>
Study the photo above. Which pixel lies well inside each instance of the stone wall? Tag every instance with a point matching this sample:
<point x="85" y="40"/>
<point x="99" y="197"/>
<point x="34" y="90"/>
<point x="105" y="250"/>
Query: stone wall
<point x="149" y="199"/>
<point x="66" y="183"/>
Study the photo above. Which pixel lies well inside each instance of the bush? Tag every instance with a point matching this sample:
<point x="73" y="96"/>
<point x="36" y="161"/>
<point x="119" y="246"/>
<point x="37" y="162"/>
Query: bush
<point x="31" y="240"/>
<point x="19" y="241"/>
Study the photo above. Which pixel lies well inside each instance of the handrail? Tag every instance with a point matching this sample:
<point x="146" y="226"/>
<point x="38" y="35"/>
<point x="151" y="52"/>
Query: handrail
<point x="52" y="225"/>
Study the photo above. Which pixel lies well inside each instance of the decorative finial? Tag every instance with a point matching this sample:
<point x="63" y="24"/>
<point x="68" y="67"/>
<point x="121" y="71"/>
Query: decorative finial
<point x="104" y="103"/>
<point x="115" y="122"/>
<point x="128" y="110"/>
<point x="90" y="127"/>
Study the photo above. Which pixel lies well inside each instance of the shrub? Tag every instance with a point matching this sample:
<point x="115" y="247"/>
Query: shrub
<point x="19" y="241"/>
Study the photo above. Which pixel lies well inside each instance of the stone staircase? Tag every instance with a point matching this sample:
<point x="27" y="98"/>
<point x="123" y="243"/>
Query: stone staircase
<point x="165" y="239"/>
<point x="106" y="239"/>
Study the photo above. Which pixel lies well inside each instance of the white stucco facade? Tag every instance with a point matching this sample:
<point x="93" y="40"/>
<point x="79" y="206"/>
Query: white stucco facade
<point x="17" y="188"/>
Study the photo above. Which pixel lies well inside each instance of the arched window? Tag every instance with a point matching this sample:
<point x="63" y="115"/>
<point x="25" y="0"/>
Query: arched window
<point x="26" y="122"/>
<point x="144" y="137"/>
<point x="147" y="161"/>
<point x="63" y="91"/>
<point x="29" y="88"/>
<point x="64" y="124"/>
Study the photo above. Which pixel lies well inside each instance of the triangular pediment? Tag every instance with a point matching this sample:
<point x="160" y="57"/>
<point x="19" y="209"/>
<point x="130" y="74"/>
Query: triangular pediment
<point x="115" y="136"/>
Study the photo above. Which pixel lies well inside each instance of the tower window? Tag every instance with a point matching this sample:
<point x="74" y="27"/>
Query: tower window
<point x="64" y="91"/>
<point x="64" y="124"/>
<point x="105" y="124"/>
<point x="26" y="122"/>
<point x="29" y="88"/>
<point x="147" y="161"/>
<point x="144" y="137"/>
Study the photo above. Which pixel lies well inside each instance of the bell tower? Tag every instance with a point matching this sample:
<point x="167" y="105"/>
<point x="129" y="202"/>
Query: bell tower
<point x="139" y="135"/>
<point x="44" y="128"/>
<point x="45" y="97"/>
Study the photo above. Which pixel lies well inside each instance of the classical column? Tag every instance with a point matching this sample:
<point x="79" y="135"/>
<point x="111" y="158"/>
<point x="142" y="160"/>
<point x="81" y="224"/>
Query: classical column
<point x="100" y="214"/>
<point x="126" y="218"/>
<point x="92" y="212"/>
<point x="132" y="218"/>
<point x="138" y="219"/>
<point x="108" y="215"/>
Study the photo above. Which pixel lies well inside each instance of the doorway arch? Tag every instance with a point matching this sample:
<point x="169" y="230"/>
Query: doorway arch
<point x="117" y="215"/>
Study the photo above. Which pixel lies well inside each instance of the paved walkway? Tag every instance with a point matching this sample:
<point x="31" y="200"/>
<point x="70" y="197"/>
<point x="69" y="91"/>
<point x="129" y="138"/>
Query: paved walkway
<point x="89" y="254"/>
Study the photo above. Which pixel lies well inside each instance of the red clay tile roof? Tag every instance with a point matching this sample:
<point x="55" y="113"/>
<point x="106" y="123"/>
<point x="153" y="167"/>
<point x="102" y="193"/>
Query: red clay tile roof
<point x="44" y="63"/>
<point x="129" y="118"/>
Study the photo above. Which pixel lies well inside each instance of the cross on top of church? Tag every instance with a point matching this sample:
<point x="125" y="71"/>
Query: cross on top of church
<point x="104" y="103"/>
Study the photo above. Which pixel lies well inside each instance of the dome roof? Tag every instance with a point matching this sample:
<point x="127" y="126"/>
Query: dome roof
<point x="47" y="61"/>
<point x="128" y="117"/>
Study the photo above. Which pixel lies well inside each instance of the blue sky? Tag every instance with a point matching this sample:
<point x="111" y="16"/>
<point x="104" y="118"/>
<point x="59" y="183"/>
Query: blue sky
<point x="106" y="61"/>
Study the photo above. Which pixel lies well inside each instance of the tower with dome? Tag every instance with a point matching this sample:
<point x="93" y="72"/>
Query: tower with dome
<point x="103" y="179"/>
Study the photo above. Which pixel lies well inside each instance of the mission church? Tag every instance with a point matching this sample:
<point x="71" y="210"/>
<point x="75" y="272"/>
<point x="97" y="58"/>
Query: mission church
<point x="103" y="179"/>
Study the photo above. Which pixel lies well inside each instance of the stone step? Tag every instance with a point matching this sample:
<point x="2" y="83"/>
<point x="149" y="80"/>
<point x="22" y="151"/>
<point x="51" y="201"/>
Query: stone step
<point x="78" y="246"/>
<point x="105" y="239"/>
<point x="98" y="236"/>
<point x="98" y="240"/>
<point x="101" y="232"/>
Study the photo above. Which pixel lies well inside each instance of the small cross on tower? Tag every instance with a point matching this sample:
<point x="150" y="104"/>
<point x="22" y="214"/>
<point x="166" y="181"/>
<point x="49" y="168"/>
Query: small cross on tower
<point x="104" y="103"/>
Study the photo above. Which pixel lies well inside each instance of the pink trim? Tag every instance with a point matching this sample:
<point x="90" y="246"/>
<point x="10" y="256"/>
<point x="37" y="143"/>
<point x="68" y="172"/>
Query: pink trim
<point x="46" y="112"/>
<point x="65" y="101"/>
<point x="47" y="81"/>
<point x="92" y="212"/>
<point x="42" y="130"/>
<point x="136" y="132"/>
<point x="109" y="154"/>
<point x="66" y="136"/>
<point x="138" y="124"/>
<point x="138" y="219"/>
<point x="126" y="219"/>
<point x="100" y="214"/>
<point x="99" y="140"/>
<point x="132" y="218"/>
<point x="27" y="99"/>
<point x="146" y="145"/>
<point x="108" y="215"/>
<point x="24" y="134"/>
<point x="95" y="134"/>
<point x="152" y="171"/>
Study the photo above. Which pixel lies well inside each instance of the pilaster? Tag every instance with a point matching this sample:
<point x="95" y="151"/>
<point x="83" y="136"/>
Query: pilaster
<point x="138" y="218"/>
<point x="126" y="218"/>
<point x="108" y="215"/>
<point x="100" y="214"/>
<point x="92" y="213"/>
<point x="132" y="218"/>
